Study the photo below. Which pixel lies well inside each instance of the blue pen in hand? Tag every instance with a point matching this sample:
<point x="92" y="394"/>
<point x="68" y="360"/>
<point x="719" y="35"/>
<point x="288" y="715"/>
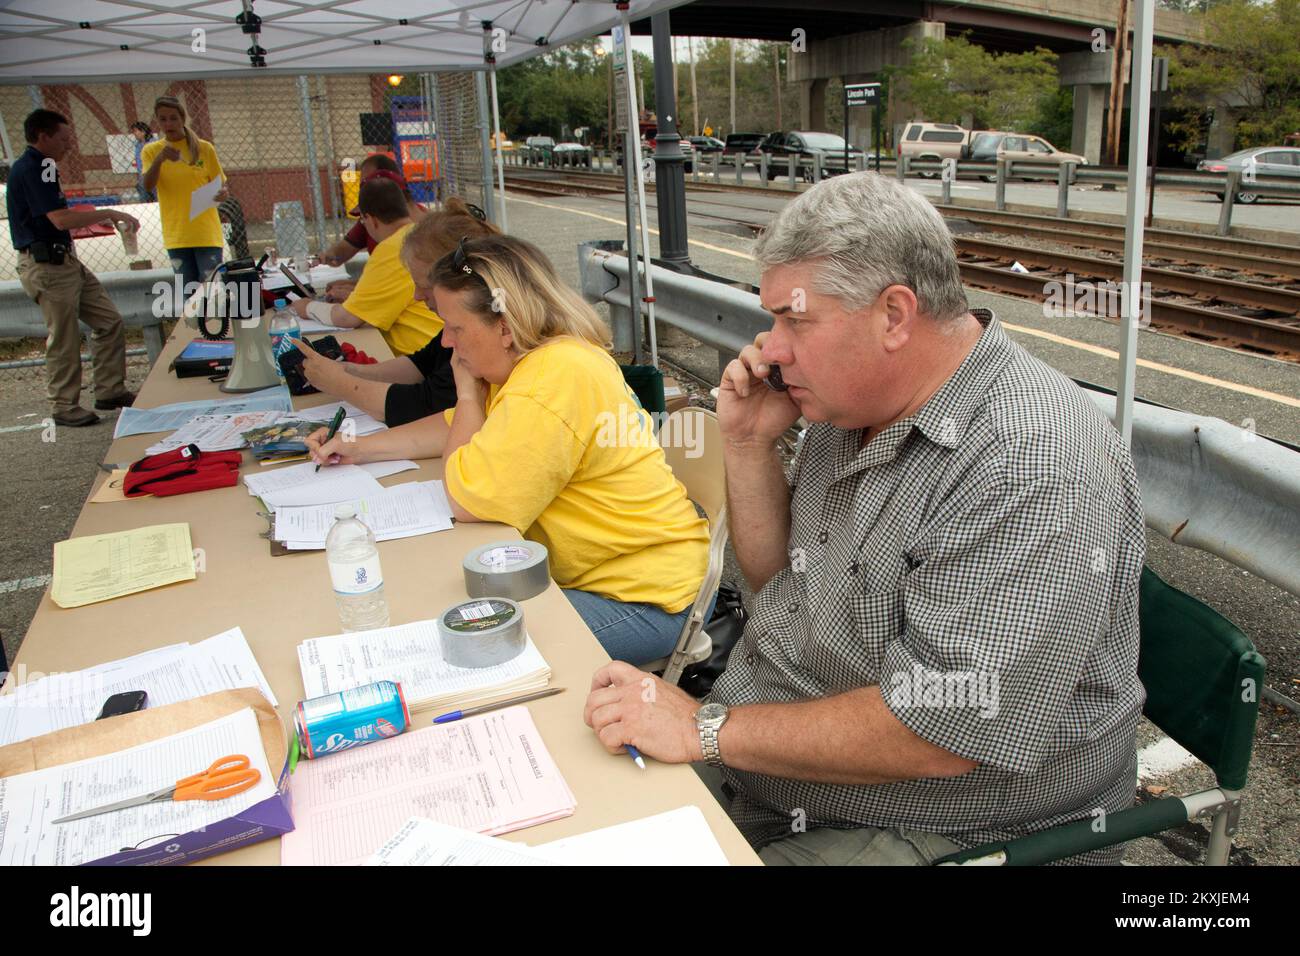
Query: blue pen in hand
<point x="635" y="755"/>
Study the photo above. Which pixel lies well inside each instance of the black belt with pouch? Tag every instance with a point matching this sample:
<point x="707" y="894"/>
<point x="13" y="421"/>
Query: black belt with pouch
<point x="55" y="253"/>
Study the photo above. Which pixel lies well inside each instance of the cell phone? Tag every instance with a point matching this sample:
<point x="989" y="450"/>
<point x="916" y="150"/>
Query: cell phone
<point x="127" y="702"/>
<point x="774" y="380"/>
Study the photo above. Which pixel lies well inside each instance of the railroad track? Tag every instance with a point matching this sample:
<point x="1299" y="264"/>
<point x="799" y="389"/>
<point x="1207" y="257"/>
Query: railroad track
<point x="1239" y="255"/>
<point x="1259" y="319"/>
<point x="1261" y="316"/>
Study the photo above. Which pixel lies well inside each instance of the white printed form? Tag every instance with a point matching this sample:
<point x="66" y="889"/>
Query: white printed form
<point x="168" y="675"/>
<point x="490" y="774"/>
<point x="302" y="484"/>
<point x="412" y="654"/>
<point x="30" y="801"/>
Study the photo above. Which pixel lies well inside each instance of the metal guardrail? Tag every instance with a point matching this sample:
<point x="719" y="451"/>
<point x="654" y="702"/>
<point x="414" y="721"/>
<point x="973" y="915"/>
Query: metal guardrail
<point x="133" y="292"/>
<point x="1205" y="483"/>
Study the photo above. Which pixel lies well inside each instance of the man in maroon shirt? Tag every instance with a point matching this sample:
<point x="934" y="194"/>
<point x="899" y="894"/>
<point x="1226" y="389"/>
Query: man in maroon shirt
<point x="356" y="239"/>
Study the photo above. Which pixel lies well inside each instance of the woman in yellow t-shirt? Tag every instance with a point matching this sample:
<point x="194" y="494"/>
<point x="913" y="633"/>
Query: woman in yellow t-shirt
<point x="547" y="437"/>
<point x="174" y="166"/>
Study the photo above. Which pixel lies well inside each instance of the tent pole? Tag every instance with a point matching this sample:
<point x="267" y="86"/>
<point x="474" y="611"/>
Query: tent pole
<point x="313" y="170"/>
<point x="34" y="93"/>
<point x="634" y="133"/>
<point x="498" y="152"/>
<point x="1132" y="299"/>
<point x="485" y="146"/>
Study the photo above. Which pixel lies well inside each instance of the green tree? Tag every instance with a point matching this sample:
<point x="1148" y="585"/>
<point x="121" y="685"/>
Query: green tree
<point x="951" y="79"/>
<point x="1251" y="55"/>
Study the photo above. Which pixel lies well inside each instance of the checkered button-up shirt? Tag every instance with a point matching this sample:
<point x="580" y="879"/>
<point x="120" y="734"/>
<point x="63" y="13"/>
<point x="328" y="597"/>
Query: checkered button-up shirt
<point x="979" y="561"/>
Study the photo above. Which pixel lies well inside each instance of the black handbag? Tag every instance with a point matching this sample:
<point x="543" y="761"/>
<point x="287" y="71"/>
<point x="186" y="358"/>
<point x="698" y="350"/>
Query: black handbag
<point x="724" y="627"/>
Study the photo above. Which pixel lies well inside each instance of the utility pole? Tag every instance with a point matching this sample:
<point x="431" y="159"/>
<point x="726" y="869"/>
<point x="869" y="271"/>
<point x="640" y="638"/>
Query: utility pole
<point x="776" y="67"/>
<point x="732" y="44"/>
<point x="1119" y="70"/>
<point x="694" y="95"/>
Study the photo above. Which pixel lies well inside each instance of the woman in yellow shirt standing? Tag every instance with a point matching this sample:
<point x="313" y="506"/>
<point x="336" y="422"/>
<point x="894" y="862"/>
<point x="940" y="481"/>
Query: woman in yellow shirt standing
<point x="174" y="166"/>
<point x="547" y="437"/>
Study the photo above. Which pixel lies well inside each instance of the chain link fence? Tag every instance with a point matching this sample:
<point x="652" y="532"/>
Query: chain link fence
<point x="289" y="147"/>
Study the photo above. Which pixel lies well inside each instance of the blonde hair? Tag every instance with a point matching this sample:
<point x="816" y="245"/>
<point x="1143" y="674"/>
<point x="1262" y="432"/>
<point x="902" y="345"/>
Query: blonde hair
<point x="511" y="279"/>
<point x="437" y="233"/>
<point x="191" y="140"/>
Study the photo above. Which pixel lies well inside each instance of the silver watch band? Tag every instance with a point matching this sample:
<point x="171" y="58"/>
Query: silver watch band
<point x="709" y="746"/>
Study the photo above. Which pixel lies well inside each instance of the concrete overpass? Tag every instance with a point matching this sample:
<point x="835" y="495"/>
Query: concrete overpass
<point x="854" y="40"/>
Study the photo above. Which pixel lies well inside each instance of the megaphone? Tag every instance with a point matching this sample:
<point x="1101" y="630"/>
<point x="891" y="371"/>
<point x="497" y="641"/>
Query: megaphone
<point x="233" y="295"/>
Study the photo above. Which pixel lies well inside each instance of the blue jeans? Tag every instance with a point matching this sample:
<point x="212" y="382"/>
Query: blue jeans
<point x="636" y="633"/>
<point x="194" y="263"/>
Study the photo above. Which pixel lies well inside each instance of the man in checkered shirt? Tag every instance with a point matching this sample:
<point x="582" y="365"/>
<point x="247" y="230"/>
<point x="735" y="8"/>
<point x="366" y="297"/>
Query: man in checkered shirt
<point x="943" y="648"/>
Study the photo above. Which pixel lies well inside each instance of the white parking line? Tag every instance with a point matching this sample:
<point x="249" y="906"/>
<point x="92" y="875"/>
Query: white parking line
<point x="24" y="584"/>
<point x="22" y="428"/>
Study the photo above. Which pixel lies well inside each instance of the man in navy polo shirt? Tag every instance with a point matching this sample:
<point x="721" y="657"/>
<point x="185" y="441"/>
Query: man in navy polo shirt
<point x="50" y="272"/>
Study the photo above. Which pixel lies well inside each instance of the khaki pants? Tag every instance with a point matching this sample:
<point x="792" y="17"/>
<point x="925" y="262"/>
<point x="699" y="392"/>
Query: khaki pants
<point x="66" y="293"/>
<point x="826" y="846"/>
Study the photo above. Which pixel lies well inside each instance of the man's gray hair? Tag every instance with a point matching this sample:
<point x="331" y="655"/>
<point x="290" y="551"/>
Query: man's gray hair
<point x="869" y="231"/>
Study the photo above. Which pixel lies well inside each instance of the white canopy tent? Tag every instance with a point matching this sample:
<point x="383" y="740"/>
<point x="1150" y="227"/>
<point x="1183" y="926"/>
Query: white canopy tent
<point x="54" y="41"/>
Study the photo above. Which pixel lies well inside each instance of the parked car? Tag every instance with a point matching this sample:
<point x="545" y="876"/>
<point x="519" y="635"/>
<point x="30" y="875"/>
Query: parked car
<point x="933" y="142"/>
<point x="989" y="146"/>
<point x="571" y="154"/>
<point x="1283" y="161"/>
<point x="707" y="144"/>
<point x="743" y="145"/>
<point x="537" y="150"/>
<point x="809" y="146"/>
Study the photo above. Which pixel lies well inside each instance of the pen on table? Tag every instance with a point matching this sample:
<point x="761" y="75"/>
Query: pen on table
<point x="635" y="755"/>
<point x="482" y="708"/>
<point x="334" y="428"/>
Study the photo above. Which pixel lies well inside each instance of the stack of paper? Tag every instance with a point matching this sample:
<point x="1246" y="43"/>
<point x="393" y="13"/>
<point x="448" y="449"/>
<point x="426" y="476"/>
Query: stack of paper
<point x="679" y="837"/>
<point x="417" y="507"/>
<point x="168" y="675"/>
<point x="303" y="484"/>
<point x="412" y="655"/>
<point x="30" y="801"/>
<point x="215" y="432"/>
<point x="165" y="418"/>
<point x="491" y="774"/>
<point x="104" y="566"/>
<point x="362" y="422"/>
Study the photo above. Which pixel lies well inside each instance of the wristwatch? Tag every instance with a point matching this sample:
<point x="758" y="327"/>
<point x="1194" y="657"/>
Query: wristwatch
<point x="709" y="720"/>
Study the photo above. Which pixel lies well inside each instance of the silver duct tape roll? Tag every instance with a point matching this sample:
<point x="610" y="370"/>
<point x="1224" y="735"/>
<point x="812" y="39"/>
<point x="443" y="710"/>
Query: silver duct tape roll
<point x="481" y="633"/>
<point x="514" y="569"/>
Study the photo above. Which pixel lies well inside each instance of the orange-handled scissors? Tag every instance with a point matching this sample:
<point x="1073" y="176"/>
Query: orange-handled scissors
<point x="225" y="778"/>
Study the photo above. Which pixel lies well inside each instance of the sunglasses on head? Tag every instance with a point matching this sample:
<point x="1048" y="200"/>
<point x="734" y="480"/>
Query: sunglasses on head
<point x="460" y="258"/>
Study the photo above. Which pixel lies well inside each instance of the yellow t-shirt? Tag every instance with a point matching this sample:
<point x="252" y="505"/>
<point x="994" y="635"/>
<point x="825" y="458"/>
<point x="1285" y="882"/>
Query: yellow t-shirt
<point x="568" y="458"/>
<point x="385" y="298"/>
<point x="177" y="180"/>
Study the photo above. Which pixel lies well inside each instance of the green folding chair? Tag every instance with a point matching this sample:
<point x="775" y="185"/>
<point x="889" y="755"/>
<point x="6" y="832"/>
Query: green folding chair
<point x="1203" y="679"/>
<point x="647" y="382"/>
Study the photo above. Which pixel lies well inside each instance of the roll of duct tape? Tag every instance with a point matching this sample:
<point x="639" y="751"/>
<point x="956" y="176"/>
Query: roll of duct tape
<point x="513" y="569"/>
<point x="482" y="632"/>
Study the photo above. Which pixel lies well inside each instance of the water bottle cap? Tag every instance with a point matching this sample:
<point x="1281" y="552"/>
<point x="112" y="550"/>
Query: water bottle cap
<point x="281" y="303"/>
<point x="342" y="512"/>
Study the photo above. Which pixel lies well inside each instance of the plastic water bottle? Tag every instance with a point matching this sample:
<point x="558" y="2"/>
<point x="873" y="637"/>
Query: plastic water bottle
<point x="354" y="570"/>
<point x="284" y="329"/>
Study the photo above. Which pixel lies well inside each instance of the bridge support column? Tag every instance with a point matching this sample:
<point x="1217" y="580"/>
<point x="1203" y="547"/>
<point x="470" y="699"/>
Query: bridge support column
<point x="1089" y="111"/>
<point x="812" y="104"/>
